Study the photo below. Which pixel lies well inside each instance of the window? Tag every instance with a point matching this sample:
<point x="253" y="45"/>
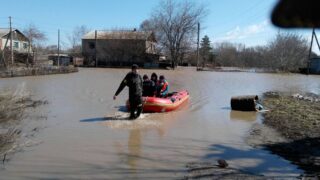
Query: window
<point x="16" y="44"/>
<point x="25" y="45"/>
<point x="92" y="45"/>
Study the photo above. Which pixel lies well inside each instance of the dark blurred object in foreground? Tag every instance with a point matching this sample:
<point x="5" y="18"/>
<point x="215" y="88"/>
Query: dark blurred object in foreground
<point x="296" y="13"/>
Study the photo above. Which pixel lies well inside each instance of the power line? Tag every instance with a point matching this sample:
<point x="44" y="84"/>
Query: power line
<point x="58" y="47"/>
<point x="198" y="45"/>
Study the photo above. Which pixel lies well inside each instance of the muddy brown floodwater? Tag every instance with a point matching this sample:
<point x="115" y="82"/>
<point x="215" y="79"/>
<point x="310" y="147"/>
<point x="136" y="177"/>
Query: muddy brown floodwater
<point x="86" y="135"/>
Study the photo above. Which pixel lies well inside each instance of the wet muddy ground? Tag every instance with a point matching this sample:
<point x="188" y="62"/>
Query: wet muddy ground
<point x="14" y="109"/>
<point x="86" y="134"/>
<point x="294" y="119"/>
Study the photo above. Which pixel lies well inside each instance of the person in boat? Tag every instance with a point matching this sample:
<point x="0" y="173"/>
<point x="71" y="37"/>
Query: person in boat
<point x="134" y="81"/>
<point x="148" y="86"/>
<point x="154" y="78"/>
<point x="163" y="87"/>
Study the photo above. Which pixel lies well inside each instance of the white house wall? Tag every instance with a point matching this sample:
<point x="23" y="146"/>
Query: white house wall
<point x="150" y="47"/>
<point x="20" y="49"/>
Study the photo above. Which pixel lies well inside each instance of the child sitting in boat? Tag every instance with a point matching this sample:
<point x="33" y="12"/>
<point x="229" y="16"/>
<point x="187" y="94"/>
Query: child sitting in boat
<point x="162" y="87"/>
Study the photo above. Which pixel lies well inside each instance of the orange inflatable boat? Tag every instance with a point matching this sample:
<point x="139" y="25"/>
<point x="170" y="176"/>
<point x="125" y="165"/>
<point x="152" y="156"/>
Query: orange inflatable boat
<point x="170" y="103"/>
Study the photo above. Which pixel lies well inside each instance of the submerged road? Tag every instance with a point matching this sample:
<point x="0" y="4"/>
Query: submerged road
<point x="86" y="135"/>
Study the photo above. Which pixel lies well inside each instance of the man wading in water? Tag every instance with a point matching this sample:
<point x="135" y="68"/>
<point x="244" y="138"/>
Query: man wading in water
<point x="134" y="81"/>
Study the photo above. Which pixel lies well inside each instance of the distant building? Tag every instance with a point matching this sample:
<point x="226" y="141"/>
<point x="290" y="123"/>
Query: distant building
<point x="119" y="48"/>
<point x="63" y="59"/>
<point x="313" y="66"/>
<point x="20" y="42"/>
<point x="77" y="61"/>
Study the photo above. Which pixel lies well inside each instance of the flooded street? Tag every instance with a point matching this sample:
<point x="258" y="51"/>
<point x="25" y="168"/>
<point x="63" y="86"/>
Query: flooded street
<point x="86" y="135"/>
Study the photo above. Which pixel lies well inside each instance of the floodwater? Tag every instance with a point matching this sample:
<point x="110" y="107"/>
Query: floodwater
<point x="85" y="134"/>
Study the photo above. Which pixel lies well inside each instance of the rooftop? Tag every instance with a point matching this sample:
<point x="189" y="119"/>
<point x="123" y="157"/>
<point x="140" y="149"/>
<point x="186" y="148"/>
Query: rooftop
<point x="5" y="31"/>
<point x="141" y="35"/>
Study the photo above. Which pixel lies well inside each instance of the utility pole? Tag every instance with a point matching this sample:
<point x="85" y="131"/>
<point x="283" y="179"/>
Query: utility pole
<point x="58" y="47"/>
<point x="310" y="51"/>
<point x="198" y="46"/>
<point x="95" y="47"/>
<point x="11" y="39"/>
<point x="314" y="35"/>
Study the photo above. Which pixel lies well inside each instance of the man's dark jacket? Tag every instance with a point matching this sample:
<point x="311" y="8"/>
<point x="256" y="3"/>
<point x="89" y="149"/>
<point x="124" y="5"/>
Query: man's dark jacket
<point x="134" y="82"/>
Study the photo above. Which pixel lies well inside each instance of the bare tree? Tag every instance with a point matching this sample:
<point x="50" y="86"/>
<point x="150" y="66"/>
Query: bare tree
<point x="149" y="25"/>
<point x="288" y="51"/>
<point x="35" y="36"/>
<point x="174" y="22"/>
<point x="227" y="54"/>
<point x="75" y="38"/>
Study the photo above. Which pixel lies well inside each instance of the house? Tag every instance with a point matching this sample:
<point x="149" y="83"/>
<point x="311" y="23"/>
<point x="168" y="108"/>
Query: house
<point x="20" y="42"/>
<point x="119" y="48"/>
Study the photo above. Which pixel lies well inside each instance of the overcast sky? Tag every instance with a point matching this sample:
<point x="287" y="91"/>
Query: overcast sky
<point x="237" y="21"/>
